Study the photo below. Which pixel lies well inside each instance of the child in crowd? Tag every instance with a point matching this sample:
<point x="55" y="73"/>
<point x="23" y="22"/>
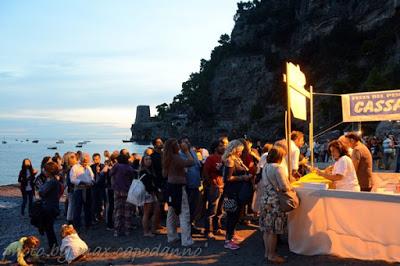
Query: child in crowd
<point x="72" y="246"/>
<point x="19" y="251"/>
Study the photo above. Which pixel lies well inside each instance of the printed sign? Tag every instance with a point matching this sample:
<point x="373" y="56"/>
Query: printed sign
<point x="371" y="106"/>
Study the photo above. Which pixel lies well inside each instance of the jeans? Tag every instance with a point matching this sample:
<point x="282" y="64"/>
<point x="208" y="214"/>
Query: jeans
<point x="184" y="220"/>
<point x="26" y="196"/>
<point x="98" y="198"/>
<point x="194" y="199"/>
<point x="48" y="222"/>
<point x="110" y="207"/>
<point x="82" y="198"/>
<point x="70" y="211"/>
<point x="214" y="209"/>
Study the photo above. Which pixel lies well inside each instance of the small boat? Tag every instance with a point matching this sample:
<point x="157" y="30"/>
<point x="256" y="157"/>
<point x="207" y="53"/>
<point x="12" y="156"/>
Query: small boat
<point x="4" y="142"/>
<point x="52" y="148"/>
<point x="27" y="140"/>
<point x="78" y="146"/>
<point x="127" y="140"/>
<point x="35" y="141"/>
<point x="60" y="142"/>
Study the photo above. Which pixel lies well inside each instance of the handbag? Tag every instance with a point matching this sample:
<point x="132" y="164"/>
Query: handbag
<point x="230" y="205"/>
<point x="137" y="192"/>
<point x="288" y="200"/>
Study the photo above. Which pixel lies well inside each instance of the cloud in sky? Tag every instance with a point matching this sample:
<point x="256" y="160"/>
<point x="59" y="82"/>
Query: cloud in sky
<point x="59" y="59"/>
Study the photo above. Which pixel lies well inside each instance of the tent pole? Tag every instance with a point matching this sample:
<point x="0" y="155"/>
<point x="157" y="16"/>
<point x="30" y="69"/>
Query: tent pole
<point x="289" y="122"/>
<point x="311" y="128"/>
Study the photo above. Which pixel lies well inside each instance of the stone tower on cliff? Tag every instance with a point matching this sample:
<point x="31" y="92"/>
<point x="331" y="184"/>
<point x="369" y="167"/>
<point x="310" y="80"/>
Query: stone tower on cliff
<point x="142" y="114"/>
<point x="142" y="129"/>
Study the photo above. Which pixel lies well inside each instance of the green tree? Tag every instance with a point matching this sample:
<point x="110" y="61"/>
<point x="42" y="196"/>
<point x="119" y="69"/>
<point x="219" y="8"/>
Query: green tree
<point x="162" y="110"/>
<point x="224" y="39"/>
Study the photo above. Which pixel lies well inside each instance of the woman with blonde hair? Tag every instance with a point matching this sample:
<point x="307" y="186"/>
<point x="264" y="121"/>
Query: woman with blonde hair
<point x="178" y="204"/>
<point x="235" y="173"/>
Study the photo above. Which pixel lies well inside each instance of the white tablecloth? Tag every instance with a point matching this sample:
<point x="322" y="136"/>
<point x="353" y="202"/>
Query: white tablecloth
<point x="357" y="225"/>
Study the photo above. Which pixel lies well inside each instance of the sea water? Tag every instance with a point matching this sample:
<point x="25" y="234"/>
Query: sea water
<point x="15" y="150"/>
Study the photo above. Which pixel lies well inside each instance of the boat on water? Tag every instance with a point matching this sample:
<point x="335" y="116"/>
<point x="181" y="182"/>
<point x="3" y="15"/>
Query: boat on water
<point x="78" y="146"/>
<point x="4" y="142"/>
<point x="35" y="141"/>
<point x="127" y="140"/>
<point x="60" y="142"/>
<point x="52" y="148"/>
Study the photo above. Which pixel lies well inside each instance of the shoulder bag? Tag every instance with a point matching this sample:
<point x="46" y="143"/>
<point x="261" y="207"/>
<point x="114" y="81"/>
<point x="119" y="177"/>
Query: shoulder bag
<point x="288" y="200"/>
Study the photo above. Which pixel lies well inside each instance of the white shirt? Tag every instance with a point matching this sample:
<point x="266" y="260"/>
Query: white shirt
<point x="72" y="247"/>
<point x="79" y="174"/>
<point x="294" y="156"/>
<point x="344" y="167"/>
<point x="263" y="160"/>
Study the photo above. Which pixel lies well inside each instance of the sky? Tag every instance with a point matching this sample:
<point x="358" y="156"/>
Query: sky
<point x="78" y="68"/>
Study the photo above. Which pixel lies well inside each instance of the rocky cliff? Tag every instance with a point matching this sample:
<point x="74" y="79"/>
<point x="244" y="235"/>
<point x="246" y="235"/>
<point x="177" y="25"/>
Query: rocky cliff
<point x="343" y="46"/>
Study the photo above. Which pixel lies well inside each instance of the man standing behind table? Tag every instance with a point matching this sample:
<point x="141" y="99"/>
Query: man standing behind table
<point x="297" y="141"/>
<point x="346" y="143"/>
<point x="362" y="161"/>
<point x="193" y="182"/>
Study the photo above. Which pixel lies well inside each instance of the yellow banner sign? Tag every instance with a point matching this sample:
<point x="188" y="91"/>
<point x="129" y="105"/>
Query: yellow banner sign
<point x="371" y="106"/>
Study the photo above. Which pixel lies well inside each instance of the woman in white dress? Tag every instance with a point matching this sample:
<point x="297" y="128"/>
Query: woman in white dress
<point x="343" y="173"/>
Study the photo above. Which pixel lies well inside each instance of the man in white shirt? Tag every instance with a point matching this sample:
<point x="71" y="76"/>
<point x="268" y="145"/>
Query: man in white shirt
<point x="82" y="177"/>
<point x="297" y="141"/>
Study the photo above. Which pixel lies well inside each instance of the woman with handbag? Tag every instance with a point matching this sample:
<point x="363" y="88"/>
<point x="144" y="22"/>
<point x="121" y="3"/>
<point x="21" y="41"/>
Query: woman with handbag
<point x="151" y="205"/>
<point x="273" y="218"/>
<point x="235" y="175"/>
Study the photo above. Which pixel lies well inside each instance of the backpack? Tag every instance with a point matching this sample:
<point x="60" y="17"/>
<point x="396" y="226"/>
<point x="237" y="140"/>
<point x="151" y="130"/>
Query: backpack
<point x="137" y="192"/>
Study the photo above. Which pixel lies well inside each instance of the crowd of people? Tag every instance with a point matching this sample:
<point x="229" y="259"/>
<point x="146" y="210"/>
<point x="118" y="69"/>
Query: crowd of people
<point x="207" y="191"/>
